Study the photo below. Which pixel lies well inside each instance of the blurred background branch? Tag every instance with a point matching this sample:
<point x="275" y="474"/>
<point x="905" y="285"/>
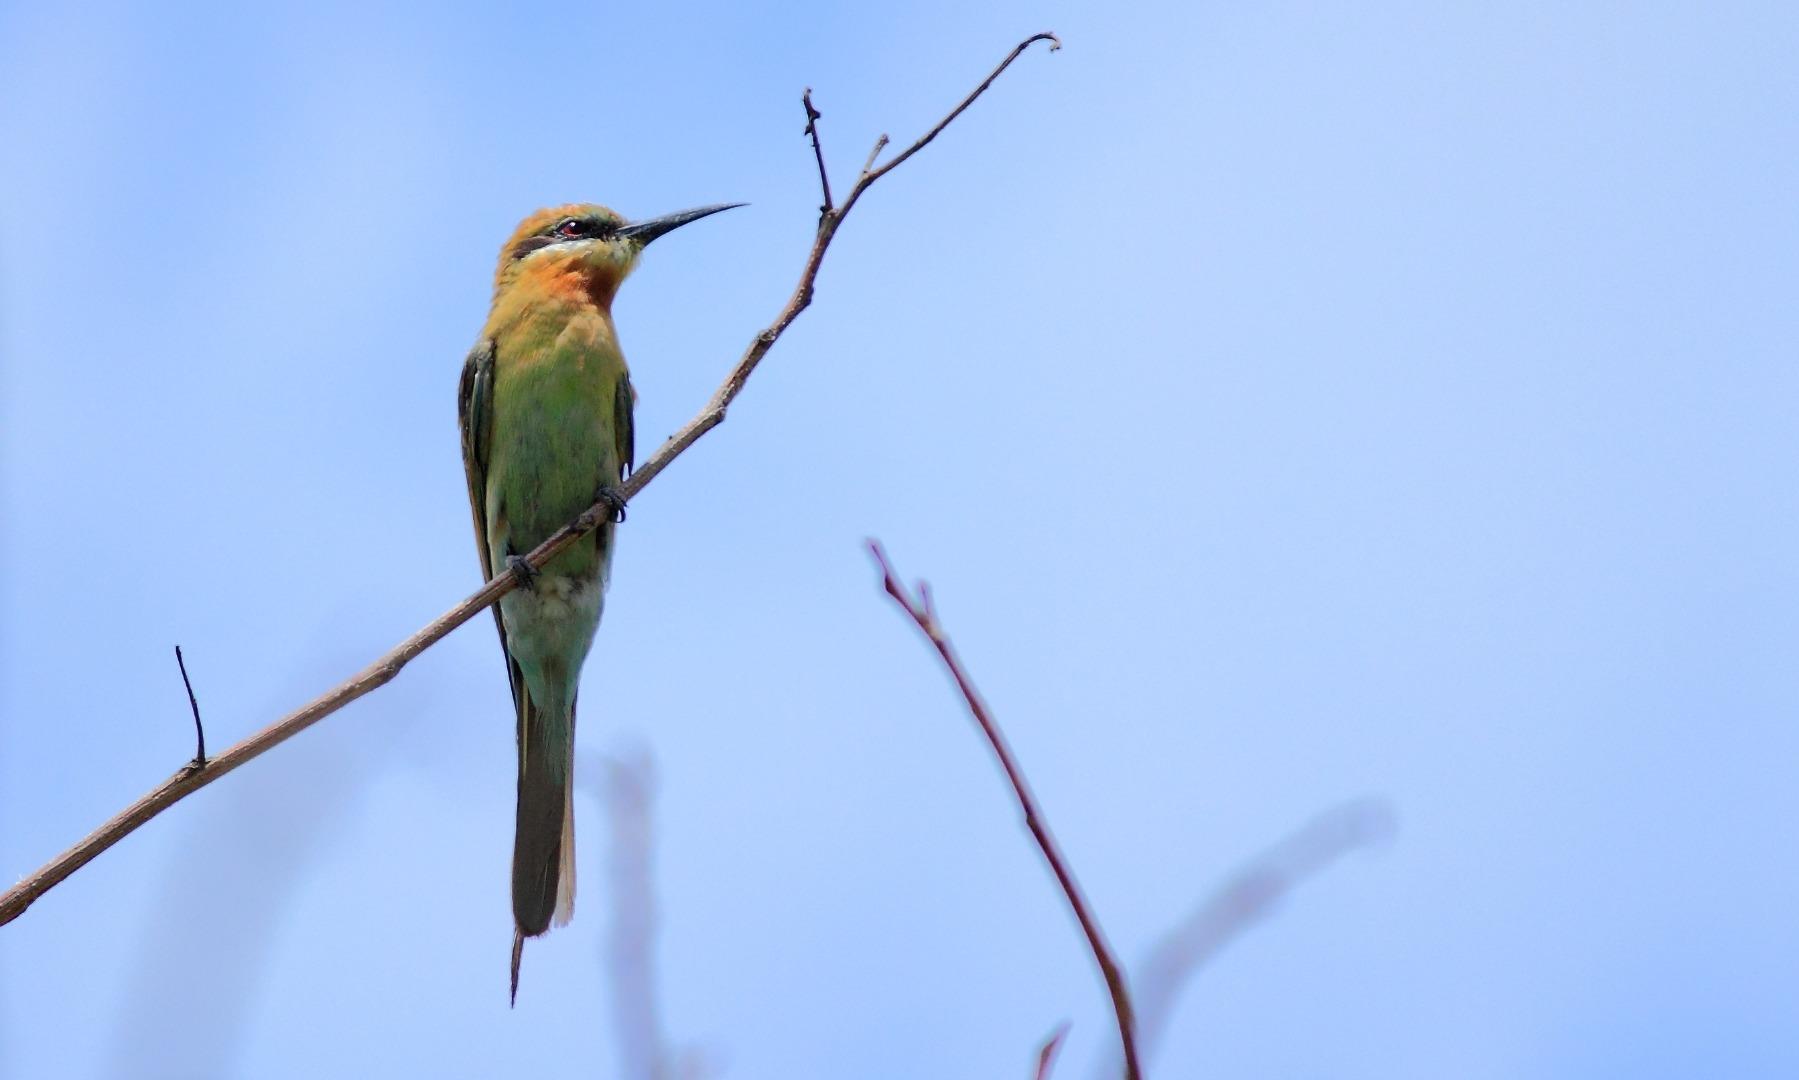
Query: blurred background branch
<point x="625" y="784"/>
<point x="1243" y="900"/>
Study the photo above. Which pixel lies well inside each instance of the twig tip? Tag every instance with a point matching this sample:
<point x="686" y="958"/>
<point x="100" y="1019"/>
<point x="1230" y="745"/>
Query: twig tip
<point x="1047" y="1055"/>
<point x="199" y="761"/>
<point x="818" y="153"/>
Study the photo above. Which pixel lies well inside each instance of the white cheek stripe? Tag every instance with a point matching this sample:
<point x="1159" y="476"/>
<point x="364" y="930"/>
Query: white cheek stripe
<point x="559" y="246"/>
<point x="620" y="255"/>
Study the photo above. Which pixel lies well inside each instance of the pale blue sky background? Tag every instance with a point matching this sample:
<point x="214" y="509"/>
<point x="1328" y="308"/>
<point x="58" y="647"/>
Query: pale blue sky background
<point x="1289" y="403"/>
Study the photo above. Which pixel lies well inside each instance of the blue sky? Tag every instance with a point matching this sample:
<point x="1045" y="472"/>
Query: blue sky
<point x="1288" y="403"/>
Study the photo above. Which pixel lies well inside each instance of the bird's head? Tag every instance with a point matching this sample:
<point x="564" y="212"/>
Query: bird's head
<point x="582" y="247"/>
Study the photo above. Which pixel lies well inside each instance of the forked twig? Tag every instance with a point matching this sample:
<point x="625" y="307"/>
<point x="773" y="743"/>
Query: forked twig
<point x="924" y="614"/>
<point x="16" y="899"/>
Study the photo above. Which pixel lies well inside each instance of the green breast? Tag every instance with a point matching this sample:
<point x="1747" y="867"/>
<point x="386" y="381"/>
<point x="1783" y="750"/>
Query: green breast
<point x="555" y="430"/>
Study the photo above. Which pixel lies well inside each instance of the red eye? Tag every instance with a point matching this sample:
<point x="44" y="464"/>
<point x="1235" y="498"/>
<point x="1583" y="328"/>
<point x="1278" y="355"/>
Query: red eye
<point x="573" y="229"/>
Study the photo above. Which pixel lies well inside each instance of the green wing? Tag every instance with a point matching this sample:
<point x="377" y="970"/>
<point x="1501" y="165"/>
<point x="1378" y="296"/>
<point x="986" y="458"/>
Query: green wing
<point x="474" y="414"/>
<point x="623" y="403"/>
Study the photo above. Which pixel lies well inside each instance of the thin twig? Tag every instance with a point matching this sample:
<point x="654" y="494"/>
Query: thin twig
<point x="925" y="616"/>
<point x="924" y="140"/>
<point x="880" y="145"/>
<point x="199" y="761"/>
<point x="1047" y="1055"/>
<point x="824" y="178"/>
<point x="16" y="899"/>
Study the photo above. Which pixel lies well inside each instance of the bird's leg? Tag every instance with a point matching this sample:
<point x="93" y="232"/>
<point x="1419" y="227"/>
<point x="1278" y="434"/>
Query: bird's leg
<point x="611" y="497"/>
<point x="522" y="570"/>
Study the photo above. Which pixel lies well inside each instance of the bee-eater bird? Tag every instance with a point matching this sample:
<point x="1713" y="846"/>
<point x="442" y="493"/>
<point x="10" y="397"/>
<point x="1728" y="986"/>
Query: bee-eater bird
<point x="545" y="408"/>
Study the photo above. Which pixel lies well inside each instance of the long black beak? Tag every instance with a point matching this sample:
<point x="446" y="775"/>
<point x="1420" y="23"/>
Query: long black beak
<point x="645" y="231"/>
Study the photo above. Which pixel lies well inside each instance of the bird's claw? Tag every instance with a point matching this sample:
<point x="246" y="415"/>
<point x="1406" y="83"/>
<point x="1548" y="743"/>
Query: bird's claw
<point x="614" y="501"/>
<point x="522" y="570"/>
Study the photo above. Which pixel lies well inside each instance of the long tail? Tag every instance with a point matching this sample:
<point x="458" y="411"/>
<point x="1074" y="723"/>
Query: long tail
<point x="543" y="844"/>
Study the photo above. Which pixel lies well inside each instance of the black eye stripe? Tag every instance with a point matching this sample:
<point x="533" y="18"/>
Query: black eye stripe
<point x="578" y="229"/>
<point x="531" y="243"/>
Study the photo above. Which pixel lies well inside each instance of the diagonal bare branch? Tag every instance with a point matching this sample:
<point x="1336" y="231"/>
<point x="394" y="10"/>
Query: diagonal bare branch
<point x="184" y="783"/>
<point x="924" y="614"/>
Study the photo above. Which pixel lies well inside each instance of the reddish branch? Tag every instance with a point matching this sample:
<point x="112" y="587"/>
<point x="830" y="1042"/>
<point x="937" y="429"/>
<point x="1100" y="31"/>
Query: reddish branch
<point x="193" y="777"/>
<point x="924" y="613"/>
<point x="1046" y="1056"/>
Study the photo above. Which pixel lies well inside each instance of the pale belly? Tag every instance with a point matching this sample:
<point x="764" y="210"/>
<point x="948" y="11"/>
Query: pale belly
<point x="549" y="629"/>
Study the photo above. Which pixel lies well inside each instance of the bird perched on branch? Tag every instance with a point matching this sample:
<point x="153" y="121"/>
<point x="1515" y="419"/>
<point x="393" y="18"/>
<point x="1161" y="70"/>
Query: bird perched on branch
<point x="545" y="408"/>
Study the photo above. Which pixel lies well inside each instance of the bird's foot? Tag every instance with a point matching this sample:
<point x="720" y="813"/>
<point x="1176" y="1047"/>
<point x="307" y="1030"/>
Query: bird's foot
<point x="615" y="501"/>
<point x="522" y="570"/>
